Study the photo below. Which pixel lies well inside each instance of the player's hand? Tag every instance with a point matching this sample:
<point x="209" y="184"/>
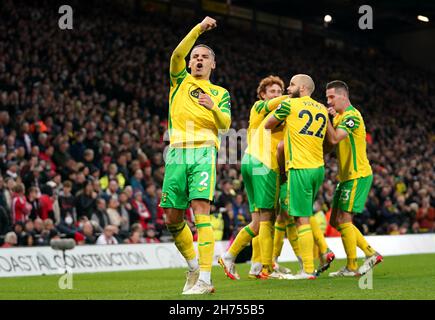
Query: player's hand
<point x="205" y="101"/>
<point x="208" y="24"/>
<point x="332" y="111"/>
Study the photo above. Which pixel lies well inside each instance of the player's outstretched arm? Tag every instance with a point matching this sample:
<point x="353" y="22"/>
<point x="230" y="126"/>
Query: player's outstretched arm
<point x="272" y="104"/>
<point x="279" y="115"/>
<point x="178" y="63"/>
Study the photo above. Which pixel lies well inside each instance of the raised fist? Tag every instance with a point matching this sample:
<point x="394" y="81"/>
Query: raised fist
<point x="208" y="24"/>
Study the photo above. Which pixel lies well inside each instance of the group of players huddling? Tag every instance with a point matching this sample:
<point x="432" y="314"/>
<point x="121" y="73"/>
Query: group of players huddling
<point x="282" y="169"/>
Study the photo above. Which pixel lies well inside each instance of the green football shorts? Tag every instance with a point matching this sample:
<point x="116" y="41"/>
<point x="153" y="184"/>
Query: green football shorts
<point x="351" y="195"/>
<point x="190" y="173"/>
<point x="261" y="184"/>
<point x="303" y="185"/>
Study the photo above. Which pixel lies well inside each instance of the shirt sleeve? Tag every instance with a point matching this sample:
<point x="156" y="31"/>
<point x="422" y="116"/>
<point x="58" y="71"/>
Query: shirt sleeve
<point x="349" y="123"/>
<point x="264" y="107"/>
<point x="178" y="65"/>
<point x="225" y="103"/>
<point x="222" y="113"/>
<point x="282" y="111"/>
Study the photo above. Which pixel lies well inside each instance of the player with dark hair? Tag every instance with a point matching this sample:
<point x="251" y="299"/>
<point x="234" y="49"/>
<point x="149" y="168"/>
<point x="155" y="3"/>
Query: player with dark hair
<point x="355" y="175"/>
<point x="198" y="112"/>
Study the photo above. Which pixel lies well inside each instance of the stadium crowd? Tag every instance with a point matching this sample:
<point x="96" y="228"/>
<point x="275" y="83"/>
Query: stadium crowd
<point x="83" y="115"/>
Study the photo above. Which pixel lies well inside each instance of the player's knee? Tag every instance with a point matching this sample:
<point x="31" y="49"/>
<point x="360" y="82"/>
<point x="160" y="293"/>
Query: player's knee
<point x="173" y="216"/>
<point x="255" y="227"/>
<point x="200" y="206"/>
<point x="282" y="217"/>
<point x="342" y="217"/>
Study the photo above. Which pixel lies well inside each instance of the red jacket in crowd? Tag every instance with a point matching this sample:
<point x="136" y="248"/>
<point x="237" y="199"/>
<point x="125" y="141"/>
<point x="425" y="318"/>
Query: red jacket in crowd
<point x="20" y="208"/>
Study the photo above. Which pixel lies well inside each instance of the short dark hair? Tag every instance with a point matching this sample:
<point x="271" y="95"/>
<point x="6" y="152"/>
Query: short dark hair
<point x="338" y="84"/>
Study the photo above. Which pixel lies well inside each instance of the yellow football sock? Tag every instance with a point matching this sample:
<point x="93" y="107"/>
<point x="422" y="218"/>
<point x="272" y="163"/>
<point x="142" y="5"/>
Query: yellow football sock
<point x="316" y="251"/>
<point x="266" y="244"/>
<point x="256" y="251"/>
<point x="278" y="239"/>
<point x="306" y="244"/>
<point x="292" y="235"/>
<point x="361" y="242"/>
<point x="183" y="239"/>
<point x="348" y="237"/>
<point x="205" y="241"/>
<point x="319" y="238"/>
<point x="242" y="240"/>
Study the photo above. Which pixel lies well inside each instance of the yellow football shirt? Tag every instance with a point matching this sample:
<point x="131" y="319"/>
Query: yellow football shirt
<point x="351" y="151"/>
<point x="264" y="143"/>
<point x="305" y="129"/>
<point x="261" y="143"/>
<point x="190" y="124"/>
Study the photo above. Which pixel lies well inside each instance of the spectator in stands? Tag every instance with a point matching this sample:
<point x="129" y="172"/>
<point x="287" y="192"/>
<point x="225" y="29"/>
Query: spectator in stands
<point x="151" y="235"/>
<point x="88" y="232"/>
<point x="112" y="191"/>
<point x="20" y="207"/>
<point x="241" y="212"/>
<point x="86" y="201"/>
<point x="141" y="209"/>
<point x="134" y="238"/>
<point x="3" y="201"/>
<point x="67" y="202"/>
<point x="50" y="232"/>
<point x="38" y="229"/>
<point x="46" y="201"/>
<point x="217" y="222"/>
<point x="225" y="206"/>
<point x="30" y="233"/>
<point x="425" y="218"/>
<point x="108" y="236"/>
<point x="20" y="233"/>
<point x="10" y="240"/>
<point x="100" y="216"/>
<point x="89" y="160"/>
<point x="8" y="193"/>
<point x="113" y="174"/>
<point x="113" y="212"/>
<point x="5" y="221"/>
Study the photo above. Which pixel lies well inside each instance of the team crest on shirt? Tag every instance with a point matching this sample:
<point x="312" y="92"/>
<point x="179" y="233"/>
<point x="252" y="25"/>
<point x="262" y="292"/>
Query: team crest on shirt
<point x="195" y="93"/>
<point x="214" y="92"/>
<point x="350" y="123"/>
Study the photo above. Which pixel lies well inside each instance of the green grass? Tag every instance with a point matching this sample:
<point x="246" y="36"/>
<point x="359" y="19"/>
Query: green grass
<point x="400" y="277"/>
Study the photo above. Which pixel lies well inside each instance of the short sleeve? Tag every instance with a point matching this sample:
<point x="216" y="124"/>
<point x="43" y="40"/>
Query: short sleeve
<point x="282" y="111"/>
<point x="225" y="103"/>
<point x="349" y="123"/>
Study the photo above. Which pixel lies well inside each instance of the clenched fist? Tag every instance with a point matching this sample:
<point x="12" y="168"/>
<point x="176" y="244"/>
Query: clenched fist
<point x="208" y="24"/>
<point x="332" y="111"/>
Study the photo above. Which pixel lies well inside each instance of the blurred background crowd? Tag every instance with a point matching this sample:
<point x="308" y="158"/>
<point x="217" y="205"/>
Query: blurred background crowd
<point x="83" y="115"/>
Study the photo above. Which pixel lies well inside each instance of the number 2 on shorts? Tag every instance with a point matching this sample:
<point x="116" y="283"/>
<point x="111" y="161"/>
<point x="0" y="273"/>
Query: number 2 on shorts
<point x="204" y="181"/>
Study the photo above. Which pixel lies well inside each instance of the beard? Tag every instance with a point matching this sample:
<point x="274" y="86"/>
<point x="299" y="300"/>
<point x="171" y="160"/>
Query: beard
<point x="296" y="94"/>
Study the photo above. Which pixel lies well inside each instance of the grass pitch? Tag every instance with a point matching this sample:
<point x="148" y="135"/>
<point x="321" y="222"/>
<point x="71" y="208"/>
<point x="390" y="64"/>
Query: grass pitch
<point x="399" y="277"/>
